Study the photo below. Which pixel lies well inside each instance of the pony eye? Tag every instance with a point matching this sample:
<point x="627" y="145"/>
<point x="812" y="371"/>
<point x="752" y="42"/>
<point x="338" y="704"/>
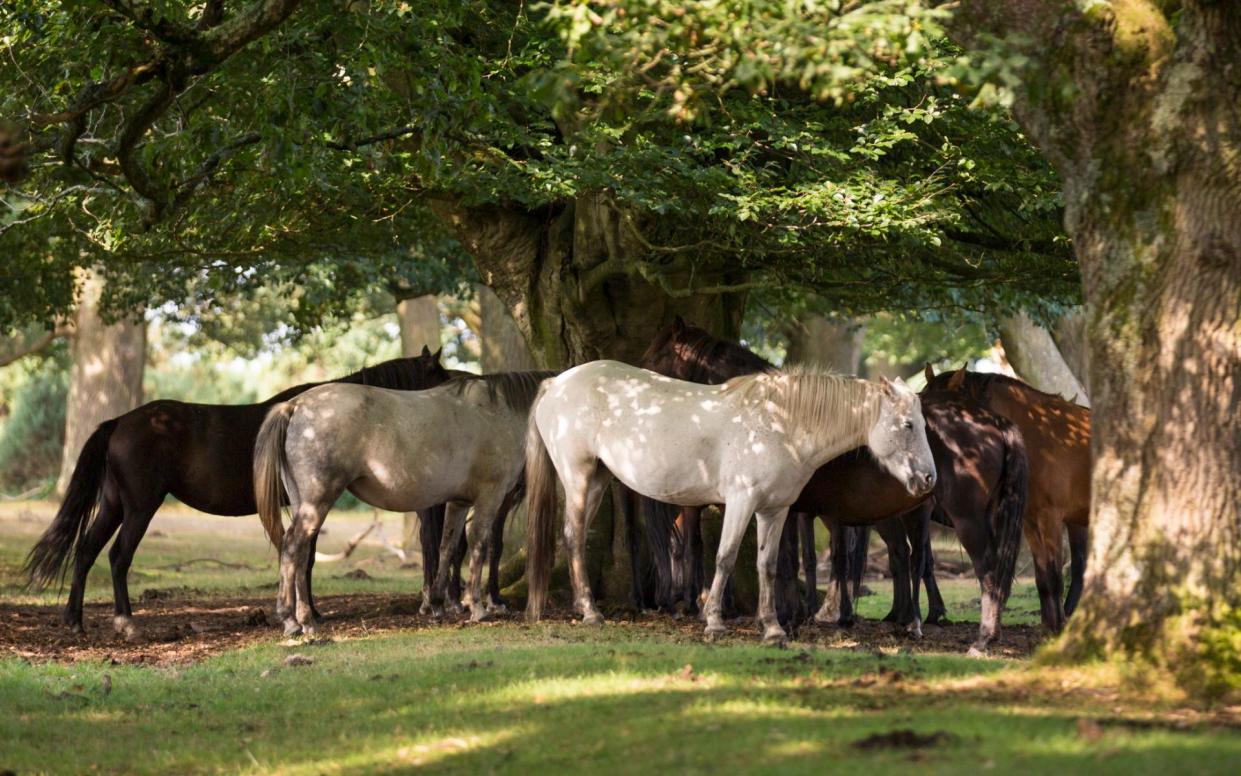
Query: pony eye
<point x="909" y="424"/>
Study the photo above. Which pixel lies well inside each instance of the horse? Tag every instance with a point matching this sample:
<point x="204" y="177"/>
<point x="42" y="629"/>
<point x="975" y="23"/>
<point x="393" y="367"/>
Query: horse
<point x="199" y="453"/>
<point x="750" y="443"/>
<point x="981" y="492"/>
<point x="686" y="352"/>
<point x="459" y="444"/>
<point x="1057" y="438"/>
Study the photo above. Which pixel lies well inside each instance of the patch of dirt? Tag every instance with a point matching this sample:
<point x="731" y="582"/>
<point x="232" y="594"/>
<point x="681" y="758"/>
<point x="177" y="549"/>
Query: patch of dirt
<point x="179" y="627"/>
<point x="903" y="739"/>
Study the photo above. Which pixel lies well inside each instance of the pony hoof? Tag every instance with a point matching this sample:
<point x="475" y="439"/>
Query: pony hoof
<point x="478" y="615"/>
<point x="714" y="631"/>
<point x="938" y="619"/>
<point x="592" y="618"/>
<point x="310" y="629"/>
<point x="124" y="626"/>
<point x="497" y="607"/>
<point x="292" y="628"/>
<point x="775" y="637"/>
<point x="914" y="631"/>
<point x="976" y="652"/>
<point x="453" y="609"/>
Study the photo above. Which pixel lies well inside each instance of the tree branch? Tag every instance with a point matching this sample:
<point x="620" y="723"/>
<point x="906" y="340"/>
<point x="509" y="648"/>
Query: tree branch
<point x="146" y="18"/>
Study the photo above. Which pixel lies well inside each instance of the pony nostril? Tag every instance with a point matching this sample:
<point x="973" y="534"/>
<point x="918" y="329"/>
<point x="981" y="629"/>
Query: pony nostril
<point x="929" y="477"/>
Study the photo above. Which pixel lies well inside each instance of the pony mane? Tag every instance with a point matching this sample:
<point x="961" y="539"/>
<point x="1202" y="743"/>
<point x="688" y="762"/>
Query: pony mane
<point x="694" y="354"/>
<point x="516" y="389"/>
<point x="814" y="402"/>
<point x="401" y="374"/>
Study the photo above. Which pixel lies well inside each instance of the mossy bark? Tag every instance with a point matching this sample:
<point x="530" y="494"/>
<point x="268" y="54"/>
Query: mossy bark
<point x="1138" y="110"/>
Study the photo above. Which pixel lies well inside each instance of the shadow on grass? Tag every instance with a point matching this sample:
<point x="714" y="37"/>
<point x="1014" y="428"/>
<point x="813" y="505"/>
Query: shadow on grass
<point x="511" y="698"/>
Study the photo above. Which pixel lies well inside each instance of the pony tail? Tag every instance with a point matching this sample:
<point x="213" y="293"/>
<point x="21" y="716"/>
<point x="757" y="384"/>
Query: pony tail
<point x="1007" y="509"/>
<point x="49" y="559"/>
<point x="540" y="517"/>
<point x="270" y="465"/>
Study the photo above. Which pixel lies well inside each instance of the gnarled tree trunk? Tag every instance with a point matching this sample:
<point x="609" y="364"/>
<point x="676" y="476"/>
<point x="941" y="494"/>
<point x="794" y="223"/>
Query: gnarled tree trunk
<point x="1149" y="145"/>
<point x="105" y="379"/>
<point x="582" y="284"/>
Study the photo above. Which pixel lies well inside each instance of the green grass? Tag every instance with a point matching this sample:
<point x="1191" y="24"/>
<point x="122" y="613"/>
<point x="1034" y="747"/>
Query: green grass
<point x="506" y="697"/>
<point x="511" y="698"/>
<point x="204" y="554"/>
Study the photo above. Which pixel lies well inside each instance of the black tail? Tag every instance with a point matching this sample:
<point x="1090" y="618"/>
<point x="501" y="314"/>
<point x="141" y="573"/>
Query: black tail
<point x="49" y="560"/>
<point x="1007" y="509"/>
<point x="664" y="538"/>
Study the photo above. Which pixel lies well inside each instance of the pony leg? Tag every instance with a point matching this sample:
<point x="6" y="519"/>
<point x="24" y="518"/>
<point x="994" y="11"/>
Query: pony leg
<point x="770" y="531"/>
<point x="109" y="517"/>
<point x="937" y="610"/>
<point x="893" y="534"/>
<point x="430" y="531"/>
<point x="624" y="500"/>
<point x="737" y="514"/>
<point x="1079" y="544"/>
<point x="121" y="557"/>
<point x="454" y="523"/>
<point x="809" y="563"/>
<point x="837" y="606"/>
<point x="306" y="524"/>
<point x="788" y="598"/>
<point x="479" y="533"/>
<point x="917" y="523"/>
<point x="495" y="548"/>
<point x="1048" y="575"/>
<point x="310" y="568"/>
<point x="579" y="510"/>
<point x="974" y="538"/>
<point x="694" y="559"/>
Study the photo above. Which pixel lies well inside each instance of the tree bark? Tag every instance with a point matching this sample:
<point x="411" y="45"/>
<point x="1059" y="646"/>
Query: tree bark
<point x="581" y="283"/>
<point x="1069" y="334"/>
<point x="419" y="319"/>
<point x="502" y="346"/>
<point x="1148" y="146"/>
<point x="815" y="340"/>
<point x="105" y="379"/>
<point x="1037" y="360"/>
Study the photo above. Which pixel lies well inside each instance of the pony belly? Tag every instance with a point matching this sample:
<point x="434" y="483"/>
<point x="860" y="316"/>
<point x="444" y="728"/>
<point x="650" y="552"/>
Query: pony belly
<point x="683" y="486"/>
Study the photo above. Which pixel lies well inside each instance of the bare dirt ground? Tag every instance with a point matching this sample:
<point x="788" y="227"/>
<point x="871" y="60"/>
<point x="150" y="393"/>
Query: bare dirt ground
<point x="178" y="631"/>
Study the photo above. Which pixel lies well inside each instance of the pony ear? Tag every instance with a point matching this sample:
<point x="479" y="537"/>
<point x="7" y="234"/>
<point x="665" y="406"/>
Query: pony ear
<point x="889" y="389"/>
<point x="678" y="324"/>
<point x="425" y="352"/>
<point x="436" y="355"/>
<point x="929" y="371"/>
<point x="957" y="380"/>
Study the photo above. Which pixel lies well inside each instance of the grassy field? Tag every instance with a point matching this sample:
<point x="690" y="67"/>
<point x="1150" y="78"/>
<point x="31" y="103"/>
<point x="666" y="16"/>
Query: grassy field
<point x="629" y="697"/>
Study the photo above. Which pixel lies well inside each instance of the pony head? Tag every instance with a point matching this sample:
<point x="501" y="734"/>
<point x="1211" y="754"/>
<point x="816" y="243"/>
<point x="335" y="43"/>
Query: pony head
<point x="898" y="438"/>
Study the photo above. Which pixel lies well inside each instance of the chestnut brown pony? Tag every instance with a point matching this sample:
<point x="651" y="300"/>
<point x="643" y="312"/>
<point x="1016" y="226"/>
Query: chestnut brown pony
<point x="1057" y="437"/>
<point x="199" y="453"/>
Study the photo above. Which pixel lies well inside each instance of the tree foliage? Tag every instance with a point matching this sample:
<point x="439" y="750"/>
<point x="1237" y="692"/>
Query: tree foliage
<point x="308" y="154"/>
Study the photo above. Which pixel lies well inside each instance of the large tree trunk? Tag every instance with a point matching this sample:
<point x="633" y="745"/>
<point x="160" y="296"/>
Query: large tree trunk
<point x="582" y="284"/>
<point x="106" y="377"/>
<point x="501" y="344"/>
<point x="419" y="319"/>
<point x="1149" y="146"/>
<point x="1037" y="360"/>
<point x="835" y="345"/>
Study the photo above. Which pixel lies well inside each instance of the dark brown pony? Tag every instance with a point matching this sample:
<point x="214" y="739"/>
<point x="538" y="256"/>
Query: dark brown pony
<point x="981" y="490"/>
<point x="673" y="533"/>
<point x="200" y="453"/>
<point x="1057" y="437"/>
